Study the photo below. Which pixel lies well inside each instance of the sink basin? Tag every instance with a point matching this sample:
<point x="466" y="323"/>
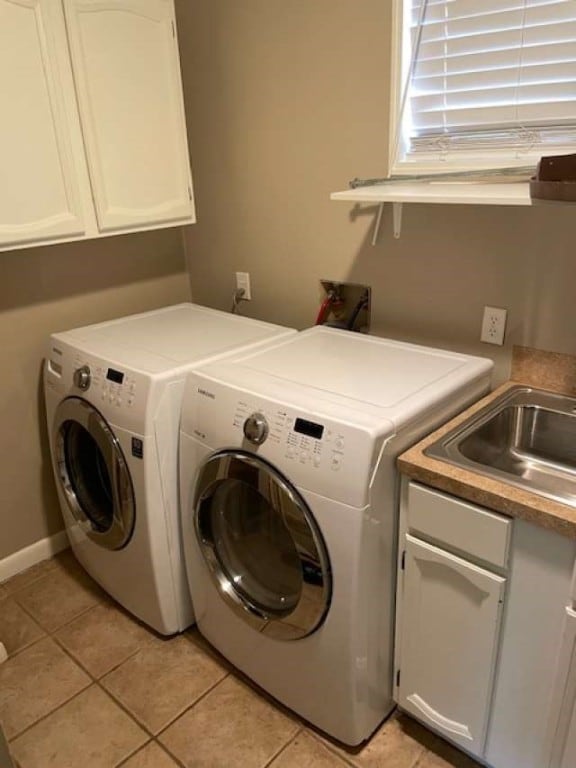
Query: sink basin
<point x="526" y="438"/>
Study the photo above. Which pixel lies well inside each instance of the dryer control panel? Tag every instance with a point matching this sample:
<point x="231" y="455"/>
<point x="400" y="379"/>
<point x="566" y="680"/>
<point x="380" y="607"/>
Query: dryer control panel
<point x="110" y="386"/>
<point x="120" y="394"/>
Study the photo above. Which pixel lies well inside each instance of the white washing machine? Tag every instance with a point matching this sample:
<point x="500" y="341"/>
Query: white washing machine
<point x="113" y="396"/>
<point x="289" y="503"/>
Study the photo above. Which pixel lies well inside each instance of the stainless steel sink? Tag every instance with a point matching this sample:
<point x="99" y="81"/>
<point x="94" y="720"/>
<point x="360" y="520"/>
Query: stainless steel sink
<point x="526" y="438"/>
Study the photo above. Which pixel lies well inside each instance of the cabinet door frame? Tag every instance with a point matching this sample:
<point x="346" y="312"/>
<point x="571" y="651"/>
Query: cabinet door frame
<point x="489" y="591"/>
<point x="111" y="217"/>
<point x="53" y="50"/>
<point x="562" y="718"/>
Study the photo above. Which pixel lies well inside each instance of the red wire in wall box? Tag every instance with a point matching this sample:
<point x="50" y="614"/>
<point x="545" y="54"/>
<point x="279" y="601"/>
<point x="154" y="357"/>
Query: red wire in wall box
<point x="324" y="310"/>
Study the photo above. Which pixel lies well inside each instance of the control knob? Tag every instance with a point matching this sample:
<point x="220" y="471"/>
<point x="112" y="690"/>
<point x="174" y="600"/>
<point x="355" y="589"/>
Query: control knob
<point x="82" y="377"/>
<point x="256" y="428"/>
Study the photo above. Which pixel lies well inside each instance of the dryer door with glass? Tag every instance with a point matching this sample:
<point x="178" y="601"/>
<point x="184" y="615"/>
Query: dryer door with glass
<point x="93" y="474"/>
<point x="264" y="550"/>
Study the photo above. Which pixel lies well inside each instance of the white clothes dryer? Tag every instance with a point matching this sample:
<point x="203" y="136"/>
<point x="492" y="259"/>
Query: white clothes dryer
<point x="113" y="396"/>
<point x="289" y="504"/>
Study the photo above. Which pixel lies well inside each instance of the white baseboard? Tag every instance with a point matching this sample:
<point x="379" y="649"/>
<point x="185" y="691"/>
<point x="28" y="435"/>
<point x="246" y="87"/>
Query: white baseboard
<point x="35" y="553"/>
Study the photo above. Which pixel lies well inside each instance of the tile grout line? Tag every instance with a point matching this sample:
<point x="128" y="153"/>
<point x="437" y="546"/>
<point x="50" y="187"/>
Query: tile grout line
<point x="52" y="632"/>
<point x="284" y="748"/>
<point x="13" y="596"/>
<point x="191" y="706"/>
<point x="98" y="681"/>
<point x="331" y="748"/>
<point x="24" y="586"/>
<point x="133" y="717"/>
<point x="176" y="759"/>
<point x="92" y="681"/>
<point x="14" y="654"/>
<point x="92" y="678"/>
<point x="126" y="711"/>
<point x="135" y="751"/>
<point x="49" y="635"/>
<point x="47" y="715"/>
<point x="82" y="666"/>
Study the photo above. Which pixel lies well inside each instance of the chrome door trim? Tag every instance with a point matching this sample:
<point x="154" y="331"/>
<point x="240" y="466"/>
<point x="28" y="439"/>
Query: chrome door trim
<point x="314" y="601"/>
<point x="76" y="409"/>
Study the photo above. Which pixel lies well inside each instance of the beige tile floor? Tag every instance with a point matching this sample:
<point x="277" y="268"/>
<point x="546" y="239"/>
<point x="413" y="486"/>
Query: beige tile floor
<point x="87" y="686"/>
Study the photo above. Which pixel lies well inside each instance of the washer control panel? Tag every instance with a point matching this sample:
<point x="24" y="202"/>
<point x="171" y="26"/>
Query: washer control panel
<point x="300" y="439"/>
<point x="317" y="450"/>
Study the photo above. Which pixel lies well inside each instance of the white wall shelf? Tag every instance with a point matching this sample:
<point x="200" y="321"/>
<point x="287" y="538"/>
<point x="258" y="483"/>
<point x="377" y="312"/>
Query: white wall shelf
<point x="451" y="193"/>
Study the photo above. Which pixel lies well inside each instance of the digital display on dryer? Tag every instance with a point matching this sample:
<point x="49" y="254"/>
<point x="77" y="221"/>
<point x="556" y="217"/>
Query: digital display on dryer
<point x="309" y="428"/>
<point x="115" y="376"/>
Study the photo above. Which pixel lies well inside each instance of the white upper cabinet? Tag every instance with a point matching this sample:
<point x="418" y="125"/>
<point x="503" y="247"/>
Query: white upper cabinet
<point x="127" y="74"/>
<point x="93" y="133"/>
<point x="39" y="189"/>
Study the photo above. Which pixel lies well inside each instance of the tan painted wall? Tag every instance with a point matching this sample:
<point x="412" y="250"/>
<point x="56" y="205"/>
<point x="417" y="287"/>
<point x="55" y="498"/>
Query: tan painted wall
<point x="43" y="290"/>
<point x="287" y="100"/>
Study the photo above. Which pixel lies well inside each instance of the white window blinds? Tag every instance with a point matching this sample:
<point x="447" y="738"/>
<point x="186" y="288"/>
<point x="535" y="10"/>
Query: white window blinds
<point x="490" y="74"/>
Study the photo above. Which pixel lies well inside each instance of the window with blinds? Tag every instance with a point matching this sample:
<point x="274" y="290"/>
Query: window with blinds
<point x="488" y="77"/>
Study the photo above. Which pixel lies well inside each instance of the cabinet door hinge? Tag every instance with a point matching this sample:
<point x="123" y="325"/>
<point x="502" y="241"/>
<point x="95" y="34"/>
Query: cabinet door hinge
<point x="173" y="30"/>
<point x="190" y="193"/>
<point x="403" y="564"/>
<point x="398" y="678"/>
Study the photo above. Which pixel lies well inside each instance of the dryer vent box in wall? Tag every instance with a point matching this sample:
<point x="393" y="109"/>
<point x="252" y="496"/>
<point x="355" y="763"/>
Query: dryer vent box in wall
<point x="345" y="305"/>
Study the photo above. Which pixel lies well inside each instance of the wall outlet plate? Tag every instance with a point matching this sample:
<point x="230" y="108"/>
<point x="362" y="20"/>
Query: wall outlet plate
<point x="493" y="325"/>
<point x="243" y="283"/>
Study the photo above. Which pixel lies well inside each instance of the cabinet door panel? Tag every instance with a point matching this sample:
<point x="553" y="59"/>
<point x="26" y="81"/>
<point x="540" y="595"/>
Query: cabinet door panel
<point x="450" y="625"/>
<point x="127" y="75"/>
<point x="39" y="196"/>
<point x="563" y="711"/>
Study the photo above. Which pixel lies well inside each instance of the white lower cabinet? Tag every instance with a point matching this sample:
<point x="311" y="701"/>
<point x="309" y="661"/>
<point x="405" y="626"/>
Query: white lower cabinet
<point x="450" y="628"/>
<point x="562" y="721"/>
<point x="486" y="630"/>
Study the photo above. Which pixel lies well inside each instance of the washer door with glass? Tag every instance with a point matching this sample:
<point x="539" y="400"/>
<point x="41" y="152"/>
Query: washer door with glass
<point x="262" y="545"/>
<point x="93" y="474"/>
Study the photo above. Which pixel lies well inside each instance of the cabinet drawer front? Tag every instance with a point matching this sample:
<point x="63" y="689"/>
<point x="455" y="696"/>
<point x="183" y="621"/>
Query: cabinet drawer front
<point x="458" y="525"/>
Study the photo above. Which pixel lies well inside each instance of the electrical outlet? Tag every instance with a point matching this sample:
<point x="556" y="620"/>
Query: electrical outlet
<point x="243" y="281"/>
<point x="493" y="325"/>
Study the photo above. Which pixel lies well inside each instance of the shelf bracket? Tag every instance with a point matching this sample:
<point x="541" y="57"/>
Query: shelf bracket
<point x="397" y="221"/>
<point x="377" y="224"/>
<point x="397" y="218"/>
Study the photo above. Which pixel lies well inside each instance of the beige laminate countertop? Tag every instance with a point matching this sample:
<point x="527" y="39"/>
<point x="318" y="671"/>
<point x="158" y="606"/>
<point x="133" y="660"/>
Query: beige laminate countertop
<point x="469" y="485"/>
